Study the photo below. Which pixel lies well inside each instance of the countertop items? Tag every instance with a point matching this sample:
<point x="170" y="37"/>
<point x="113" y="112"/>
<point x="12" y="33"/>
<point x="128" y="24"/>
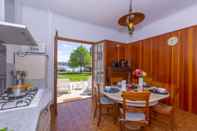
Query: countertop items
<point x="26" y="119"/>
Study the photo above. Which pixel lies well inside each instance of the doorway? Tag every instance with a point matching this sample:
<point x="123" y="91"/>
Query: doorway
<point x="74" y="71"/>
<point x="57" y="40"/>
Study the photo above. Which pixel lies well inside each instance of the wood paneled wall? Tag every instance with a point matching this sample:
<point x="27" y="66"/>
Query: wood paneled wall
<point x="114" y="51"/>
<point x="175" y="66"/>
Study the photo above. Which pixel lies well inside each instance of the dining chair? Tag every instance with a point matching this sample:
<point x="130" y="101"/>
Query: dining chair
<point x="163" y="113"/>
<point x="135" y="116"/>
<point x="148" y="80"/>
<point x="102" y="103"/>
<point x="94" y="94"/>
<point x="115" y="80"/>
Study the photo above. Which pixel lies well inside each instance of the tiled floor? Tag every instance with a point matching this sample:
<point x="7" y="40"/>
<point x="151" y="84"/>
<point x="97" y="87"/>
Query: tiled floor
<point x="77" y="116"/>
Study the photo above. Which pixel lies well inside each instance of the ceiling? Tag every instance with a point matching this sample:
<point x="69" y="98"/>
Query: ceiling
<point x="106" y="12"/>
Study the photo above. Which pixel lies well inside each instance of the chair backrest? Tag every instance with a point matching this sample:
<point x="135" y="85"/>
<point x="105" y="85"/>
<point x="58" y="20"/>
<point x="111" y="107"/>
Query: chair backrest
<point x="148" y="80"/>
<point x="157" y="84"/>
<point x="173" y="90"/>
<point x="98" y="94"/>
<point x="174" y="94"/>
<point x="114" y="80"/>
<point x="94" y="90"/>
<point x="136" y="96"/>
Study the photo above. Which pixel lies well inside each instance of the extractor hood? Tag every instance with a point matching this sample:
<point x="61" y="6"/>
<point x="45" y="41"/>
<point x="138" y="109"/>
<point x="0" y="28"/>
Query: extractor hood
<point x="15" y="34"/>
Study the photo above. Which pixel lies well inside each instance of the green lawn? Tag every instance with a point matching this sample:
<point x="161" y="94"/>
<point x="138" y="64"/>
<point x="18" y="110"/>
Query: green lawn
<point x="74" y="76"/>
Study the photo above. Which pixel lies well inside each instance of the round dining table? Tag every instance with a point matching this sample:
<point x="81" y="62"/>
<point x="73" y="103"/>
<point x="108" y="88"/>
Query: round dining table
<point x="154" y="98"/>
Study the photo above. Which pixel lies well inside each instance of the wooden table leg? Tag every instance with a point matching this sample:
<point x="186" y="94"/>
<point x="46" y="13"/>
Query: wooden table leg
<point x="116" y="112"/>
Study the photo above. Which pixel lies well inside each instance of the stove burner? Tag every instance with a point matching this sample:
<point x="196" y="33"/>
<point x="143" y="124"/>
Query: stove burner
<point x="9" y="101"/>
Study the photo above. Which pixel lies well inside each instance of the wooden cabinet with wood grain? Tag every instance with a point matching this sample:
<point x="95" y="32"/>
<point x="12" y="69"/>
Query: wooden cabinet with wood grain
<point x="115" y="52"/>
<point x="115" y="75"/>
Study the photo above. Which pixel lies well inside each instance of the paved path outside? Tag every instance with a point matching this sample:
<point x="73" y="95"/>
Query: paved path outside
<point x="69" y="91"/>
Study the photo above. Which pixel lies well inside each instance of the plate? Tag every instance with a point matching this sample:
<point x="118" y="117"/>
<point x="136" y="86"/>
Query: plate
<point x="159" y="91"/>
<point x="112" y="90"/>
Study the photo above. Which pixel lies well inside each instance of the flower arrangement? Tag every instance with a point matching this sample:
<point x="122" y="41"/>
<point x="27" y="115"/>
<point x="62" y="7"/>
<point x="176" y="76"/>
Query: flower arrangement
<point x="139" y="73"/>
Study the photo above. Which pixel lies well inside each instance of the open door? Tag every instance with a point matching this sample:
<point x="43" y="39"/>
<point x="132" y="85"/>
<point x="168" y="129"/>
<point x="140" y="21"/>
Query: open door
<point x="58" y="38"/>
<point x="98" y="63"/>
<point x="54" y="107"/>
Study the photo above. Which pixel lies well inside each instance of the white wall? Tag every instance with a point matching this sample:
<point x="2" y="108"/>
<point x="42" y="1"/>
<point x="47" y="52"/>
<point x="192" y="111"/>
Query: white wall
<point x="2" y="10"/>
<point x="37" y="22"/>
<point x="182" y="19"/>
<point x="43" y="25"/>
<point x="10" y="10"/>
<point x="75" y="29"/>
<point x="18" y="11"/>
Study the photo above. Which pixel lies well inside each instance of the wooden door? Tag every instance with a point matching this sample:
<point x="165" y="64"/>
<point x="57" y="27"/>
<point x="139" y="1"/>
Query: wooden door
<point x="98" y="63"/>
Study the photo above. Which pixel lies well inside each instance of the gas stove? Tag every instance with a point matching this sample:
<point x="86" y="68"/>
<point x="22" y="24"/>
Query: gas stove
<point x="8" y="101"/>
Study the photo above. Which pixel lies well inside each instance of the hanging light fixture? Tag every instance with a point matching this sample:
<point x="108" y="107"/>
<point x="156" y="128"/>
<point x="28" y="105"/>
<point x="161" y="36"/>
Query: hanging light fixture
<point x="131" y="19"/>
<point x="130" y="25"/>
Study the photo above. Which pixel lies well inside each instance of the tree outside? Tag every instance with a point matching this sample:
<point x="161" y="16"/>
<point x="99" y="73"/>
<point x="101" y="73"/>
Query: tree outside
<point x="80" y="58"/>
<point x="74" y="62"/>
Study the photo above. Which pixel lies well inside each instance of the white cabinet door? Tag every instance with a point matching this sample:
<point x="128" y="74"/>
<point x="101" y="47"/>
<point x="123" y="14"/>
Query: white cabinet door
<point x="44" y="120"/>
<point x="2" y="60"/>
<point x="2" y="68"/>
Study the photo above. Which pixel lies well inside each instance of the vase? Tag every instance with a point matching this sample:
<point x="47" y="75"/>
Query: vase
<point x="124" y="85"/>
<point x="141" y="83"/>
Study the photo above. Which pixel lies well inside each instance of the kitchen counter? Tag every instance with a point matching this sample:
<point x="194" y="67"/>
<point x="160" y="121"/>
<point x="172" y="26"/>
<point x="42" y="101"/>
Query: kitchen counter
<point x="26" y="119"/>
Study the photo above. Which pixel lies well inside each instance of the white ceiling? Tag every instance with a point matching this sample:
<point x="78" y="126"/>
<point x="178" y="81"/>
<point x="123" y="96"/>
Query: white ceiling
<point x="106" y="12"/>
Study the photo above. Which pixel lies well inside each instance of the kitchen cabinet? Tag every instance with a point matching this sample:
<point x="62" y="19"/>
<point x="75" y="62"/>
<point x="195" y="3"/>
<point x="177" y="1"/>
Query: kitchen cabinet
<point x="115" y="52"/>
<point x="2" y="60"/>
<point x="2" y="68"/>
<point x="44" y="120"/>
